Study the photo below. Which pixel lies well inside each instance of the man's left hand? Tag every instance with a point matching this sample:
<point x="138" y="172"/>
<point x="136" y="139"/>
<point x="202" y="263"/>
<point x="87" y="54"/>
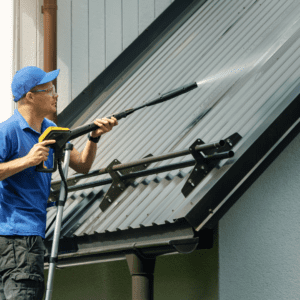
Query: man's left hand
<point x="105" y="125"/>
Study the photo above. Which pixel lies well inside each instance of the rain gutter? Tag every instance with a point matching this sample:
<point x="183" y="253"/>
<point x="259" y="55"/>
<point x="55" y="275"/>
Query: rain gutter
<point x="148" y="242"/>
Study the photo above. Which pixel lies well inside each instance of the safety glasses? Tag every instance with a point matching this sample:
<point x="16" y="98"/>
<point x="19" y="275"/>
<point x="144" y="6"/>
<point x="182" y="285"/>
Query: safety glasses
<point x="50" y="91"/>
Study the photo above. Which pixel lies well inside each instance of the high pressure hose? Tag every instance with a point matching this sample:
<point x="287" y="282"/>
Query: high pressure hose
<point x="61" y="173"/>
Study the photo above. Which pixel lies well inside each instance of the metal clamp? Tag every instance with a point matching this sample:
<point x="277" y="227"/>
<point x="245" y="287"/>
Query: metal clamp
<point x="49" y="6"/>
<point x="119" y="185"/>
<point x="206" y="160"/>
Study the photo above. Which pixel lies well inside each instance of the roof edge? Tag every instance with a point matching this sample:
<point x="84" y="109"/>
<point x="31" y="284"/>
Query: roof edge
<point x="254" y="176"/>
<point x="281" y="131"/>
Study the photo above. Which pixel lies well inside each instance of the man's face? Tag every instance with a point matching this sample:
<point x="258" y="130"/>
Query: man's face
<point x="45" y="102"/>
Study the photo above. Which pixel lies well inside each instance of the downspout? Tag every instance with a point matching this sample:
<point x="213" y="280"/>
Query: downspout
<point x="49" y="9"/>
<point x="141" y="270"/>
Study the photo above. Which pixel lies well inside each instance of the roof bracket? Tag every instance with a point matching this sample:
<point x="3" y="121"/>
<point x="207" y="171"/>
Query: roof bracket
<point x="119" y="185"/>
<point x="206" y="160"/>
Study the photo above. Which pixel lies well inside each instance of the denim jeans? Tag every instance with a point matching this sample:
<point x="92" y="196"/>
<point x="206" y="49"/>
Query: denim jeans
<point x="22" y="267"/>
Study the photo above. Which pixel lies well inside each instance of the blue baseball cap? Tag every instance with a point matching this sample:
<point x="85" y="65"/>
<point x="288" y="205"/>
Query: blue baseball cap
<point x="29" y="77"/>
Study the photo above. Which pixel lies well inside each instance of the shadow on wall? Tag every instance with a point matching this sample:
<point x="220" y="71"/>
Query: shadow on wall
<point x="176" y="277"/>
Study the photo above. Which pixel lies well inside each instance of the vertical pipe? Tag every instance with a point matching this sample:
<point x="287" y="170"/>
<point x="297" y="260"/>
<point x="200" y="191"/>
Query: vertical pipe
<point x="141" y="270"/>
<point x="50" y="42"/>
<point x="142" y="287"/>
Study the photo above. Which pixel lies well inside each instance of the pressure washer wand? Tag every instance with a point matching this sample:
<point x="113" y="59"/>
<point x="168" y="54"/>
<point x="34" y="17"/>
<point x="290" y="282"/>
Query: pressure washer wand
<point x="162" y="98"/>
<point x="62" y="136"/>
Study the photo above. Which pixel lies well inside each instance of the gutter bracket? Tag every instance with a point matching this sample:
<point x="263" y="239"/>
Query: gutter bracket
<point x="206" y="160"/>
<point x="119" y="185"/>
<point x="185" y="246"/>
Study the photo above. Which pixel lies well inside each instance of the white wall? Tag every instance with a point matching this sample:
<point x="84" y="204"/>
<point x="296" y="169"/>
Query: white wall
<point x="26" y="33"/>
<point x="6" y="58"/>
<point x="259" y="237"/>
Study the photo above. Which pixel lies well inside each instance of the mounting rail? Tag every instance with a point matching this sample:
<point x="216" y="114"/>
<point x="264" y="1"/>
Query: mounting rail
<point x="206" y="158"/>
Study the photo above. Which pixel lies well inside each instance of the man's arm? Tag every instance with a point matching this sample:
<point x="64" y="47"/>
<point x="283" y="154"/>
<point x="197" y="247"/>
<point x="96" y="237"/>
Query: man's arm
<point x="82" y="162"/>
<point x="38" y="153"/>
<point x="13" y="167"/>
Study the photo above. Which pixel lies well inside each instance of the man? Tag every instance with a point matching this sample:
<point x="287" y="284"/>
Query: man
<point x="23" y="191"/>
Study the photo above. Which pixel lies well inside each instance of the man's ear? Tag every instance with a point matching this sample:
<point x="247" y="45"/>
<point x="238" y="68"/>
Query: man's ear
<point x="29" y="97"/>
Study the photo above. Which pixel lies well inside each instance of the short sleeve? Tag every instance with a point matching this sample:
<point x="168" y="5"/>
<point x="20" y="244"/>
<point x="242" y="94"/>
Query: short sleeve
<point x="5" y="146"/>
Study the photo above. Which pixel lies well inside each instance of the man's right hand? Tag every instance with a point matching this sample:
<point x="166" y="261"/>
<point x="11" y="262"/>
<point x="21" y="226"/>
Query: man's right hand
<point x="39" y="153"/>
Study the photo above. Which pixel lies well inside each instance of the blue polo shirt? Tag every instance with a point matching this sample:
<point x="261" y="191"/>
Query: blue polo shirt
<point x="23" y="196"/>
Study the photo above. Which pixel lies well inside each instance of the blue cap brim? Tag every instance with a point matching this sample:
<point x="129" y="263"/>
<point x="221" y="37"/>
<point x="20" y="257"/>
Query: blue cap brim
<point x="49" y="77"/>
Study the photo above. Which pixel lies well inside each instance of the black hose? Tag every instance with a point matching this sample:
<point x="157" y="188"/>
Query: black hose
<point x="61" y="173"/>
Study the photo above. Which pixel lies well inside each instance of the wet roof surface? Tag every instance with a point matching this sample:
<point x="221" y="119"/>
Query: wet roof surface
<point x="244" y="55"/>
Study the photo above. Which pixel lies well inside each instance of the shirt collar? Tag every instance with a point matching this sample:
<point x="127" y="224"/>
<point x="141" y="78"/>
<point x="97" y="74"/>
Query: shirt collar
<point x="23" y="123"/>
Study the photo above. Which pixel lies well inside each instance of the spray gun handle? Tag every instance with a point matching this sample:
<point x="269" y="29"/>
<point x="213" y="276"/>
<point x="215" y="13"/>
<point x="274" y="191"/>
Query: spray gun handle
<point x="42" y="168"/>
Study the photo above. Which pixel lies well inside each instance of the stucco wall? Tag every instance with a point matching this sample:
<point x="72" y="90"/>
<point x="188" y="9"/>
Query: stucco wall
<point x="259" y="238"/>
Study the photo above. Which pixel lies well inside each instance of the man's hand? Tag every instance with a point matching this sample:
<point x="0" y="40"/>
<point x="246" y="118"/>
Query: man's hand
<point x="39" y="153"/>
<point x="105" y="125"/>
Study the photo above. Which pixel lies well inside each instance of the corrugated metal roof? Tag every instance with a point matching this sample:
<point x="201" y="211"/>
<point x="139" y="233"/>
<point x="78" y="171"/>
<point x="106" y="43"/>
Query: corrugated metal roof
<point x="246" y="56"/>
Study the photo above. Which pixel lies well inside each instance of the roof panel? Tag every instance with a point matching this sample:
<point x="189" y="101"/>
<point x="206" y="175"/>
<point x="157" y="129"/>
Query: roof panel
<point x="245" y="54"/>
